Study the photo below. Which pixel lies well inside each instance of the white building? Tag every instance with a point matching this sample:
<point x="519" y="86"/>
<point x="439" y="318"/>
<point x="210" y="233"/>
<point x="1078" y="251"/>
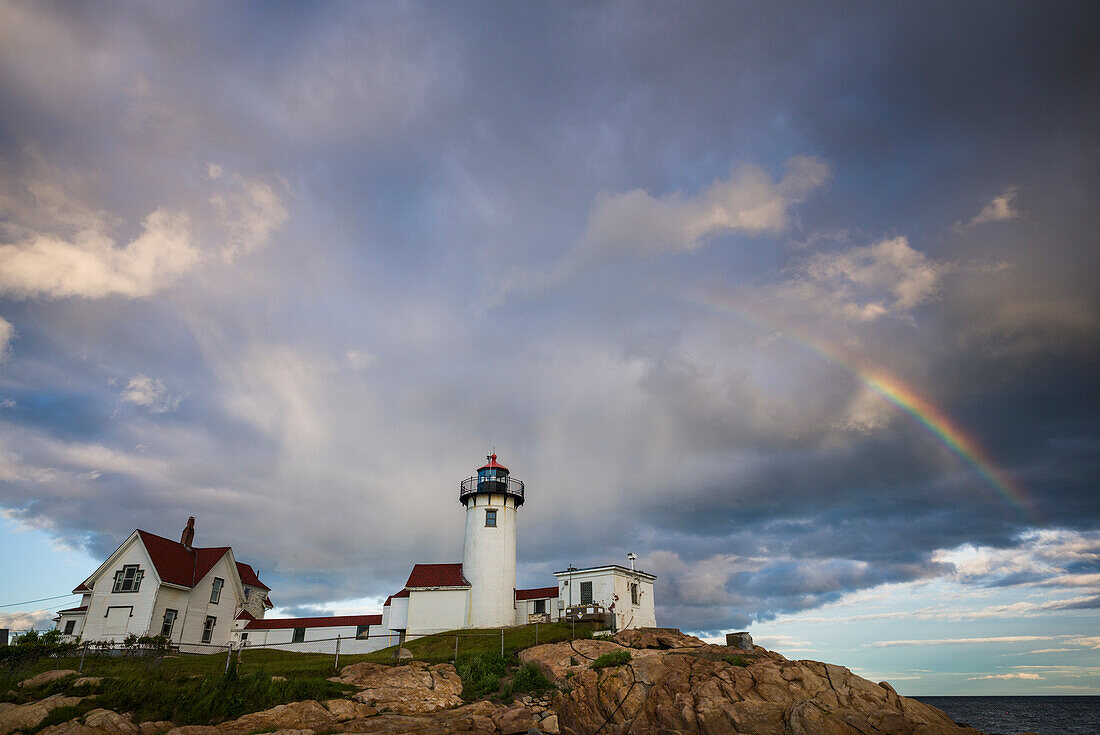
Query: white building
<point x="356" y="633"/>
<point x="151" y="585"/>
<point x="626" y="594"/>
<point x="481" y="591"/>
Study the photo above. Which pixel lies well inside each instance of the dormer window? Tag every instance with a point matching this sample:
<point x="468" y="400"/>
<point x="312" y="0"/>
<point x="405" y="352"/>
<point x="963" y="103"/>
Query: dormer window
<point x="128" y="579"/>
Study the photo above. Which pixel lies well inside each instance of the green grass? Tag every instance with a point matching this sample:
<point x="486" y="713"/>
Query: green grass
<point x="187" y="700"/>
<point x="614" y="658"/>
<point x="735" y="660"/>
<point x="283" y="663"/>
<point x="440" y="648"/>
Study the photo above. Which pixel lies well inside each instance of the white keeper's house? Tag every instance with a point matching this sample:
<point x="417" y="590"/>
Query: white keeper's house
<point x="151" y="585"/>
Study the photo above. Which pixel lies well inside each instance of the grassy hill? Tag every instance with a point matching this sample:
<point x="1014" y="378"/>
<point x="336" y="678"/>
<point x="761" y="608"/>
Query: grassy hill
<point x="195" y="689"/>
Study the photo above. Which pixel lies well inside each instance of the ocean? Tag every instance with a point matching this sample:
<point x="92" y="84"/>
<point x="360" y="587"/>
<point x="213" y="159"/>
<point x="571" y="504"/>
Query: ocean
<point x="1013" y="715"/>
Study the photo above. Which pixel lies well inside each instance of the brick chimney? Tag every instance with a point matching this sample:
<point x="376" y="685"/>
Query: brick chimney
<point x="188" y="533"/>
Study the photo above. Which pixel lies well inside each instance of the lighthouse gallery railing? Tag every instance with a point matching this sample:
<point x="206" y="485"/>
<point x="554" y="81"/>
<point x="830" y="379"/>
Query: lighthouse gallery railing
<point x="503" y="485"/>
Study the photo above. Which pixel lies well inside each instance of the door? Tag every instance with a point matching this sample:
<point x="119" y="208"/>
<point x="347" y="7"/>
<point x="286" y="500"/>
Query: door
<point x="117" y="620"/>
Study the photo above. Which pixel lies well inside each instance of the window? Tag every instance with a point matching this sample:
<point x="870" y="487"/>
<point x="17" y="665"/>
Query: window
<point x="169" y="621"/>
<point x="361" y="630"/>
<point x="128" y="579"/>
<point x="540" y="607"/>
<point x="208" y="628"/>
<point x="299" y="635"/>
<point x="586" y="593"/>
<point x="634" y="593"/>
<point x="216" y="592"/>
<point x="491" y="517"/>
<point x="244" y="636"/>
<point x="70" y="626"/>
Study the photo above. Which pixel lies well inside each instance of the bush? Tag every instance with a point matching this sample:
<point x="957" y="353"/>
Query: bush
<point x="146" y="645"/>
<point x="735" y="660"/>
<point x="480" y="674"/>
<point x="529" y="678"/>
<point x="615" y="658"/>
<point x="29" y="652"/>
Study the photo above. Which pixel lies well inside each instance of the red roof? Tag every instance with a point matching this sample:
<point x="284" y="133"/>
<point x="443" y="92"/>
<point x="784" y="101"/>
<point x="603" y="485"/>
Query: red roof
<point x="175" y="564"/>
<point x="537" y="593"/>
<point x="245" y="615"/>
<point x="248" y="576"/>
<point x="398" y="595"/>
<point x="436" y="575"/>
<point x="82" y="587"/>
<point x="268" y="603"/>
<point x="331" y="622"/>
<point x="82" y="608"/>
<point x="492" y="464"/>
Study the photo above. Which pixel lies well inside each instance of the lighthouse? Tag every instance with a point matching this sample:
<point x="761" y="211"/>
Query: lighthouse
<point x="491" y="499"/>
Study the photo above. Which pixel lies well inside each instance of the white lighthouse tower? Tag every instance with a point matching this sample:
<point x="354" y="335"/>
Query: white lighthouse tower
<point x="489" y="551"/>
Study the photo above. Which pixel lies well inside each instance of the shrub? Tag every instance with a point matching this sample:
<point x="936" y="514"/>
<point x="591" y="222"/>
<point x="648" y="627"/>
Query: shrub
<point x="735" y="660"/>
<point x="615" y="658"/>
<point x="28" y="652"/>
<point x="480" y="674"/>
<point x="529" y="678"/>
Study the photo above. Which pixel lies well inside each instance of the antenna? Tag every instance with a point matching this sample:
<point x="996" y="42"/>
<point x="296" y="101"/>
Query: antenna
<point x="632" y="556"/>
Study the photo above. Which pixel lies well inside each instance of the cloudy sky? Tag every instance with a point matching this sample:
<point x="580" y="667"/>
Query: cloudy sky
<point x="796" y="303"/>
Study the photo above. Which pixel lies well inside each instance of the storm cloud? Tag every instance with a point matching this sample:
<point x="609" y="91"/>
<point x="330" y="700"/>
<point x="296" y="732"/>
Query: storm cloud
<point x="294" y="270"/>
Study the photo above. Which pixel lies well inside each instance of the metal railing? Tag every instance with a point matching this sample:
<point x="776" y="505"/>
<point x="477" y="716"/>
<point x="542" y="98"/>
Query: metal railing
<point x="503" y="485"/>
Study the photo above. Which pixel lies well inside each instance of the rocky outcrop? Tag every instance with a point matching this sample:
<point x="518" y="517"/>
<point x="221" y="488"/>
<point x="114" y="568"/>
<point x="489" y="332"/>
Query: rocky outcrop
<point x="15" y="717"/>
<point x="673" y="684"/>
<point x="105" y="722"/>
<point x="46" y="677"/>
<point x="415" y="688"/>
<point x="307" y="715"/>
<point x="656" y="638"/>
<point x="721" y="690"/>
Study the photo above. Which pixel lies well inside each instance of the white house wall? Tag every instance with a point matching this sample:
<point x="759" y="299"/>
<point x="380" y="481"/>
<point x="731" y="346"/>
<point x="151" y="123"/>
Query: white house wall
<point x="140" y="603"/>
<point x="321" y="639"/>
<point x="170" y="598"/>
<point x="193" y="616"/>
<point x="399" y="614"/>
<point x="78" y="623"/>
<point x="437" y="610"/>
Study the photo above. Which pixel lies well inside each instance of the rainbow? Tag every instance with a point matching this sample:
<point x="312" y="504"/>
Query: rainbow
<point x="932" y="418"/>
